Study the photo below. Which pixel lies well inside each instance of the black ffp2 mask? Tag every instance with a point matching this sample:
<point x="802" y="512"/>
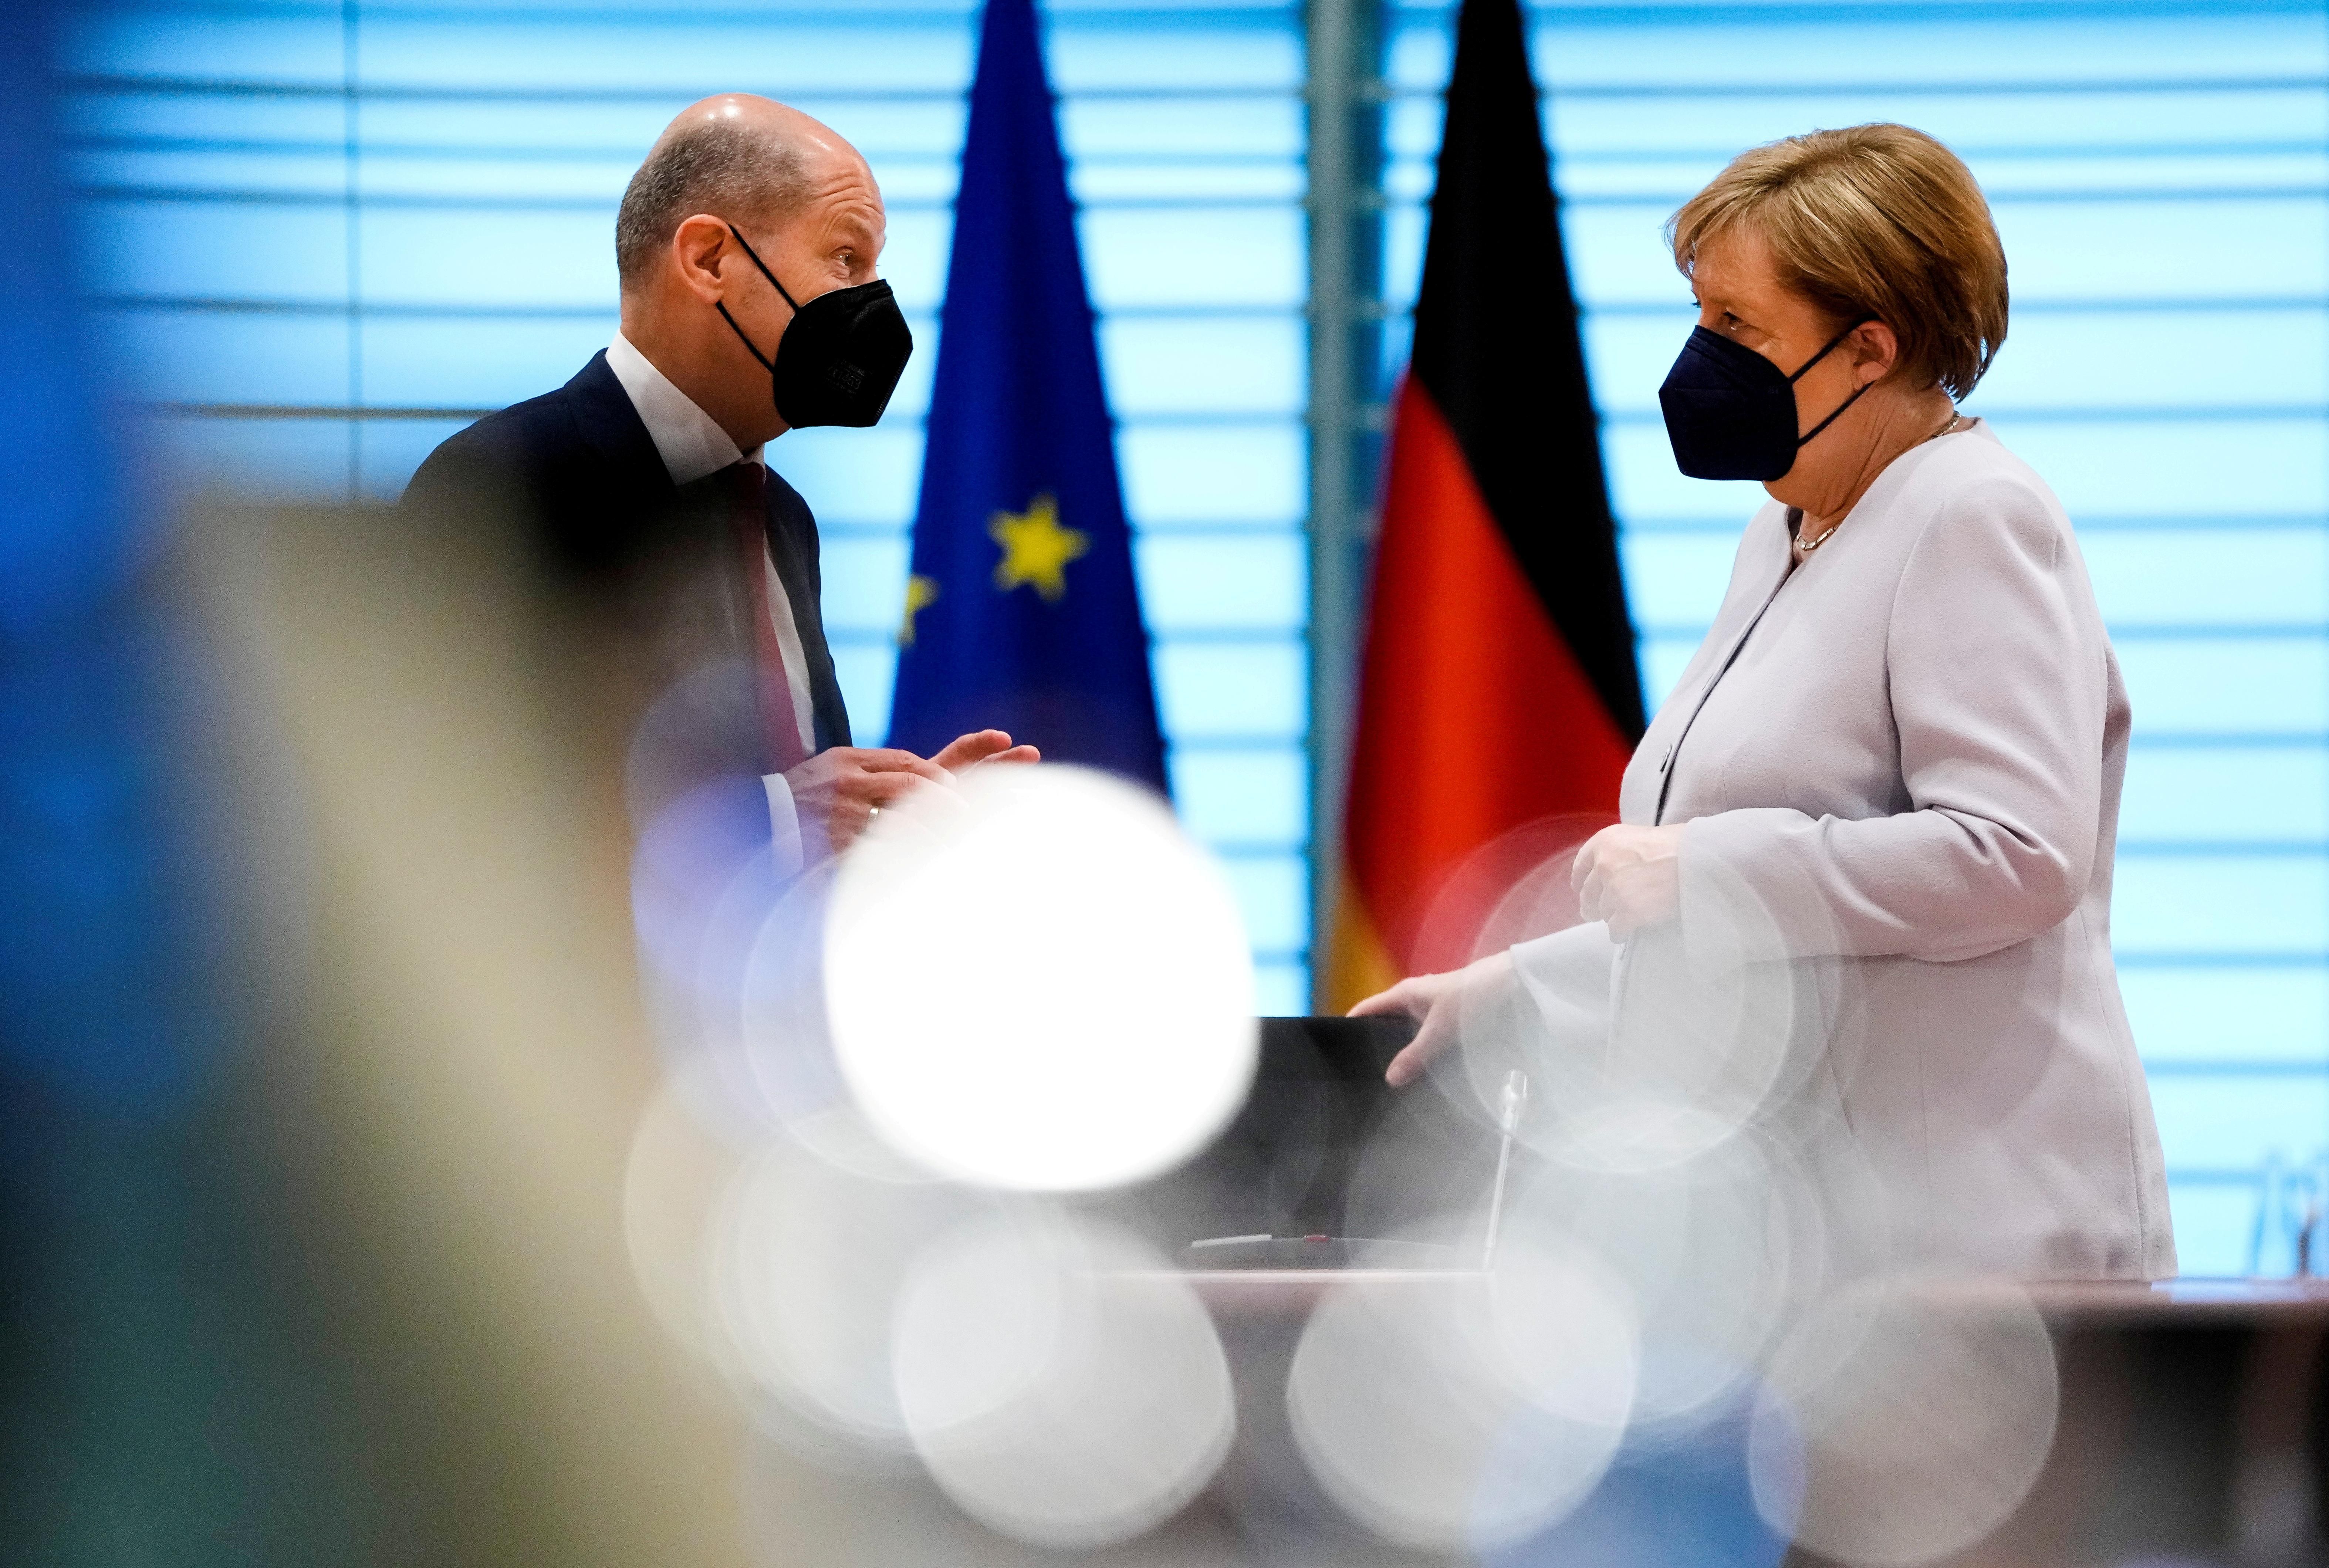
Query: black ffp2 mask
<point x="840" y="359"/>
<point x="1731" y="413"/>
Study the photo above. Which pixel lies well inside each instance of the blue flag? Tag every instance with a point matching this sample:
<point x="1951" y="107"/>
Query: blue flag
<point x="1022" y="613"/>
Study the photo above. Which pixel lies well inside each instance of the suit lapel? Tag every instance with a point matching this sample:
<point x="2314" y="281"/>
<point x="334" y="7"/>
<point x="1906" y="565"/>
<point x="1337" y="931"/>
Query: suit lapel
<point x="793" y="547"/>
<point x="611" y="428"/>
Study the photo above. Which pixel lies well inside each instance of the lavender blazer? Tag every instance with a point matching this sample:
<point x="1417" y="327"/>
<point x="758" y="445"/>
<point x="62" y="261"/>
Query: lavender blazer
<point x="1898" y="766"/>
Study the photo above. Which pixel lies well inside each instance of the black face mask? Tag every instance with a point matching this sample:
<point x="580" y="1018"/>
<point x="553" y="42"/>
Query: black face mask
<point x="840" y="359"/>
<point x="1731" y="413"/>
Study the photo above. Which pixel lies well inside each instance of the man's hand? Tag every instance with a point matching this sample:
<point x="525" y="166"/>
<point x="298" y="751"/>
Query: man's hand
<point x="1629" y="876"/>
<point x="1436" y="1001"/>
<point x="841" y="789"/>
<point x="967" y="752"/>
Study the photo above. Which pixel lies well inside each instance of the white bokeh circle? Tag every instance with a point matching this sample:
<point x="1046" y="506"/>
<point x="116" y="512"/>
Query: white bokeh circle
<point x="1061" y="1383"/>
<point x="1903" y="1420"/>
<point x="1466" y="1415"/>
<point x="808" y="1255"/>
<point x="1036" y="981"/>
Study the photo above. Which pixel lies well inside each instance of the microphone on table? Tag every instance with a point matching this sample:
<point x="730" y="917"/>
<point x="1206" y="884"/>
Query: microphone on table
<point x="1516" y="1098"/>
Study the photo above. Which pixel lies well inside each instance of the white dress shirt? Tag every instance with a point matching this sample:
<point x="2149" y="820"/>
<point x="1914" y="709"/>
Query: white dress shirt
<point x="693" y="446"/>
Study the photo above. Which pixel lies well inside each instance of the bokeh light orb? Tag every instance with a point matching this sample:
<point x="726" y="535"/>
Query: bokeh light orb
<point x="1464" y="1415"/>
<point x="1062" y="1385"/>
<point x="808" y="1256"/>
<point x="1903" y="1420"/>
<point x="1036" y="981"/>
<point x="1711" y="1253"/>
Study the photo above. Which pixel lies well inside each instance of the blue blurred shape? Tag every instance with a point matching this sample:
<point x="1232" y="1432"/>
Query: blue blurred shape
<point x="1022" y="611"/>
<point x="61" y="538"/>
<point x="1674" y="1496"/>
<point x="94" y="988"/>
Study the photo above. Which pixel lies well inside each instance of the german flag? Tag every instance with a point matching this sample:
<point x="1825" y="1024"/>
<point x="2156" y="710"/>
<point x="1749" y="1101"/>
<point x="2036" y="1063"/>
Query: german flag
<point x="1499" y="691"/>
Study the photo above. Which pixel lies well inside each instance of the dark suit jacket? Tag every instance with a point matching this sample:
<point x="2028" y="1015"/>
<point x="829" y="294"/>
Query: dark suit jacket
<point x="578" y="468"/>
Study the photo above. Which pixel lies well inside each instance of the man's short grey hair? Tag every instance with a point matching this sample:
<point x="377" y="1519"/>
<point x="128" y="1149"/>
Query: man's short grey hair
<point x="720" y="168"/>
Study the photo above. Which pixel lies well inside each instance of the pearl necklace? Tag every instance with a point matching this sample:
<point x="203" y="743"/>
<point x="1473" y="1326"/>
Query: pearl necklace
<point x="1806" y="546"/>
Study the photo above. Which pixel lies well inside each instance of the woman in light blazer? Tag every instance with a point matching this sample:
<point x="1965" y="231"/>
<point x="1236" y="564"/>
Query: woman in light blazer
<point x="1891" y="774"/>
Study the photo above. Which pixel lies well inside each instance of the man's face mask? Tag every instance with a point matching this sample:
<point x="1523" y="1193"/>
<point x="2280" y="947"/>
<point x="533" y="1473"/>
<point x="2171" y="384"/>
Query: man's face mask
<point x="841" y="358"/>
<point x="1731" y="413"/>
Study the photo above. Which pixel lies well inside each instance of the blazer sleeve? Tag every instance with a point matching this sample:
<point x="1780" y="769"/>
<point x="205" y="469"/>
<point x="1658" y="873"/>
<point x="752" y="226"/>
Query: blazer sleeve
<point x="1997" y="679"/>
<point x="1568" y="977"/>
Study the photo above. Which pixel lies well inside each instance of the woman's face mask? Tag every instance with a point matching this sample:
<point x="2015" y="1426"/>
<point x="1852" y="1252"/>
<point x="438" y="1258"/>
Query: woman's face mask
<point x="1731" y="413"/>
<point x="840" y="359"/>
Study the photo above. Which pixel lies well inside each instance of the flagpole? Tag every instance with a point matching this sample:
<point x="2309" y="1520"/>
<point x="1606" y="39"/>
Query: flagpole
<point x="1344" y="96"/>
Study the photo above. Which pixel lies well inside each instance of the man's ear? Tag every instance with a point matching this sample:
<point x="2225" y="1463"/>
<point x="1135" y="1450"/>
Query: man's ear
<point x="704" y="252"/>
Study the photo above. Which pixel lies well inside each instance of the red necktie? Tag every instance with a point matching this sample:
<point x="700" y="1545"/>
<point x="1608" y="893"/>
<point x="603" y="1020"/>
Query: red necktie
<point x="780" y="727"/>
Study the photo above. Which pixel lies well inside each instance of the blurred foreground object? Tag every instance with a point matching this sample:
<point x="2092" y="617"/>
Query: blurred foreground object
<point x="165" y="1394"/>
<point x="458" y="1056"/>
<point x="1955" y="1425"/>
<point x="1038" y="982"/>
<point x="1499" y="687"/>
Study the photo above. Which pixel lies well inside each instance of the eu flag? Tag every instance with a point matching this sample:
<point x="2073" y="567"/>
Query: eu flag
<point x="1021" y="612"/>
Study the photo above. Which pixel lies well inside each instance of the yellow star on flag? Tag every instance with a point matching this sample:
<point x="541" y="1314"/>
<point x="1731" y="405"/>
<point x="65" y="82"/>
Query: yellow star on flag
<point x="922" y="592"/>
<point x="1036" y="548"/>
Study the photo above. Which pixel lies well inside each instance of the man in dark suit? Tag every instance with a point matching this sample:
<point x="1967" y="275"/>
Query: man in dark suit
<point x="747" y="244"/>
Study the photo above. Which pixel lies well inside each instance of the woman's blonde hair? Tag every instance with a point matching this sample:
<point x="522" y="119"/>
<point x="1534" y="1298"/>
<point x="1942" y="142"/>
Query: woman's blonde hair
<point x="1874" y="221"/>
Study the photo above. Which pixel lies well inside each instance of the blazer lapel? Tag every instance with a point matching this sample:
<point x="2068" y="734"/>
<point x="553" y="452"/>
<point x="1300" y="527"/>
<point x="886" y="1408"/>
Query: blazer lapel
<point x="793" y="547"/>
<point x="611" y="428"/>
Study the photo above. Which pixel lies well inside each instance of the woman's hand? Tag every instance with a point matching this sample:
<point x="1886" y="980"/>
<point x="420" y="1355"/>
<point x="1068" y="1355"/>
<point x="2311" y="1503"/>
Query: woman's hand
<point x="1435" y="1001"/>
<point x="1629" y="876"/>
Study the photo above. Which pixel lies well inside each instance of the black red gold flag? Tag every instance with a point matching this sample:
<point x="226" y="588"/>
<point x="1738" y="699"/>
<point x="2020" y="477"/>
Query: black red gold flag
<point x="1499" y="688"/>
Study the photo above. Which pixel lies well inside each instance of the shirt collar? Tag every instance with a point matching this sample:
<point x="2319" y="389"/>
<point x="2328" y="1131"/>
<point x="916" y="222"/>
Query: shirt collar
<point x="690" y="442"/>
